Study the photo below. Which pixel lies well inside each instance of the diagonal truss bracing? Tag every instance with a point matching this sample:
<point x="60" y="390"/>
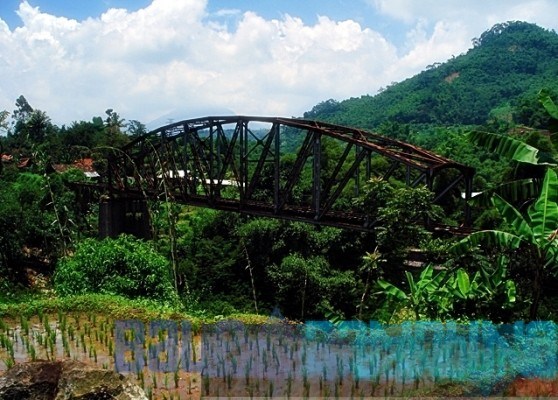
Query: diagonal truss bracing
<point x="242" y="163"/>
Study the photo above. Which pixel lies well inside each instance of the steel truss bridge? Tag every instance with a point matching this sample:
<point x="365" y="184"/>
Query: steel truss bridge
<point x="238" y="163"/>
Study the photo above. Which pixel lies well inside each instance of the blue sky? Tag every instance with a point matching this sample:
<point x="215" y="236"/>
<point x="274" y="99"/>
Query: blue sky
<point x="307" y="10"/>
<point x="76" y="9"/>
<point x="156" y="59"/>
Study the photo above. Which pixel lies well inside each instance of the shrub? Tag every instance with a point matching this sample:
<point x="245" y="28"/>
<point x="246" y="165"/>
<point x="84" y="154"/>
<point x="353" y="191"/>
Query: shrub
<point x="123" y="266"/>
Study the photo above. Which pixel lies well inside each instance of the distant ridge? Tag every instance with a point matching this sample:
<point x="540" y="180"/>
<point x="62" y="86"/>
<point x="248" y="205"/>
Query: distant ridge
<point x="508" y="63"/>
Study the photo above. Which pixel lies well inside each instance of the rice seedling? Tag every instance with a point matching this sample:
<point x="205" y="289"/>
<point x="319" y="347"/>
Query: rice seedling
<point x="247" y="369"/>
<point x="250" y="391"/>
<point x="234" y="364"/>
<point x="176" y="378"/>
<point x="229" y="381"/>
<point x="32" y="353"/>
<point x="154" y="381"/>
<point x="340" y="368"/>
<point x="205" y="384"/>
<point x="9" y="362"/>
<point x="24" y="321"/>
<point x="327" y="391"/>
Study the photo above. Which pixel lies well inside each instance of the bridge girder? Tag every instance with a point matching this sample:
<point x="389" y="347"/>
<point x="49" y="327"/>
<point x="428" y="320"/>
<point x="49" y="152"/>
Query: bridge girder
<point x="236" y="163"/>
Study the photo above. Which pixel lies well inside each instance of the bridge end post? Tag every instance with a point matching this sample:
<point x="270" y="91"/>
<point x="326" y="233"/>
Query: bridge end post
<point x="123" y="215"/>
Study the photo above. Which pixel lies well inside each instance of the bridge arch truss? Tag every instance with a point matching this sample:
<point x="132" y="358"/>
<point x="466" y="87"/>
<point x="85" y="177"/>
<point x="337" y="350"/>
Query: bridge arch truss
<point x="238" y="163"/>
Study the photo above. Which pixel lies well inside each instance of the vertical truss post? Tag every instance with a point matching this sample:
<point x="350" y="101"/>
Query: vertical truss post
<point x="277" y="166"/>
<point x="468" y="195"/>
<point x="211" y="166"/>
<point x="317" y="166"/>
<point x="218" y="161"/>
<point x="429" y="184"/>
<point x="357" y="172"/>
<point x="243" y="178"/>
<point x="368" y="166"/>
<point x="429" y="179"/>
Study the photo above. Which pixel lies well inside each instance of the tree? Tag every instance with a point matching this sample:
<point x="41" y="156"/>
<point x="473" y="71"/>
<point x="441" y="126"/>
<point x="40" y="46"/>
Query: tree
<point x="136" y="128"/>
<point x="535" y="234"/>
<point x="4" y="120"/>
<point x="399" y="214"/>
<point x="23" y="109"/>
<point x="370" y="265"/>
<point x="113" y="129"/>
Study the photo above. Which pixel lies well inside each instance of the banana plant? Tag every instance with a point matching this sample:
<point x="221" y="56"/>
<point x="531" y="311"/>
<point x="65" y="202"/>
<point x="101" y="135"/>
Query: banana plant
<point x="552" y="109"/>
<point x="436" y="293"/>
<point x="421" y="294"/>
<point x="484" y="285"/>
<point x="536" y="232"/>
<point x="516" y="150"/>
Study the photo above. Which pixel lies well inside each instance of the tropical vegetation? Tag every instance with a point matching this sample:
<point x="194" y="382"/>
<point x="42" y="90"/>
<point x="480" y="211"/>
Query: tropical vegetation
<point x="491" y="108"/>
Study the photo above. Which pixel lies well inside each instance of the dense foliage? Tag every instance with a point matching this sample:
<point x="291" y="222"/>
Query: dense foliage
<point x="124" y="266"/>
<point x="484" y="109"/>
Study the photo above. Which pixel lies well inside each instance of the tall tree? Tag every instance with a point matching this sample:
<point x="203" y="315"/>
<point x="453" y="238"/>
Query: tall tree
<point x="113" y="129"/>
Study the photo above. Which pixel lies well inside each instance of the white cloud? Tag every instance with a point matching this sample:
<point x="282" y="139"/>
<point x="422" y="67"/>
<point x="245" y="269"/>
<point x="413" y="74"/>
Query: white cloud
<point x="174" y="55"/>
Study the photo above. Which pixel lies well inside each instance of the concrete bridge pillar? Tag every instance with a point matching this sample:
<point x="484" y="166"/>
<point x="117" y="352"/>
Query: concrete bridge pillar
<point x="123" y="215"/>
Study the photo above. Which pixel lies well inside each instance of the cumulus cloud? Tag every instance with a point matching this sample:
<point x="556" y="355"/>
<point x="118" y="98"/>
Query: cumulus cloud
<point x="439" y="30"/>
<point x="174" y="55"/>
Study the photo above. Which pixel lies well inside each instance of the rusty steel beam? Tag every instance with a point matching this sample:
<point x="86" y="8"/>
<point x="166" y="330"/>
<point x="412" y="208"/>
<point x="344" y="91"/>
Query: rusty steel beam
<point x="223" y="162"/>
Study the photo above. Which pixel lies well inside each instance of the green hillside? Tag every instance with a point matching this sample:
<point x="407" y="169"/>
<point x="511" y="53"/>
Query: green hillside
<point x="501" y="74"/>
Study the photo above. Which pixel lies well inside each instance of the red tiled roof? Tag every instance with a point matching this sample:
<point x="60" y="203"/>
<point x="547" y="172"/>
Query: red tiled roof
<point x="85" y="165"/>
<point x="24" y="162"/>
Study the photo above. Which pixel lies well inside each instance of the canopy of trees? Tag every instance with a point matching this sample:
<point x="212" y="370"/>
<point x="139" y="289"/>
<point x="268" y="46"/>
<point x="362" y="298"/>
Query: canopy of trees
<point x="484" y="108"/>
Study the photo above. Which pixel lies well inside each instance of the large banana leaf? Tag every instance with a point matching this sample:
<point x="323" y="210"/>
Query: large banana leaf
<point x="514" y="191"/>
<point x="552" y="109"/>
<point x="507" y="147"/>
<point x="510" y="291"/>
<point x="489" y="238"/>
<point x="463" y="283"/>
<point x="548" y="104"/>
<point x="391" y="290"/>
<point x="544" y="213"/>
<point x="513" y="218"/>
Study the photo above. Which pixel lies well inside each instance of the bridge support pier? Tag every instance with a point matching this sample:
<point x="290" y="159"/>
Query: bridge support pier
<point x="124" y="215"/>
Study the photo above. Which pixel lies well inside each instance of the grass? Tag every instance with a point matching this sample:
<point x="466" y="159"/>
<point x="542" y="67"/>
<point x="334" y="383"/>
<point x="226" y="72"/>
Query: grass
<point x="110" y="306"/>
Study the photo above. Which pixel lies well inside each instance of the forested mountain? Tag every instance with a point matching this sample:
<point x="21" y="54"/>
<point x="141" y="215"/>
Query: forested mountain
<point x="499" y="76"/>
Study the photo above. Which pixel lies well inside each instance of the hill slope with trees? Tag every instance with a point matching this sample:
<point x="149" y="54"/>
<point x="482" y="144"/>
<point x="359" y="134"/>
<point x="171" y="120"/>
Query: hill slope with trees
<point x="503" y="72"/>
